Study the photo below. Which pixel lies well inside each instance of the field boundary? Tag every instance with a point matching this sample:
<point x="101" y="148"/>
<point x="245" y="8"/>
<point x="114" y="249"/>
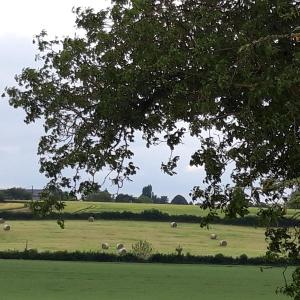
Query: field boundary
<point x="146" y="215"/>
<point x="218" y="259"/>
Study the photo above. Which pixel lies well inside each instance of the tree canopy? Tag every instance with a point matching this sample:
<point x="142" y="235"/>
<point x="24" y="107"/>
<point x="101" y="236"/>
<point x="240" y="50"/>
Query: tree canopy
<point x="229" y="70"/>
<point x="178" y="199"/>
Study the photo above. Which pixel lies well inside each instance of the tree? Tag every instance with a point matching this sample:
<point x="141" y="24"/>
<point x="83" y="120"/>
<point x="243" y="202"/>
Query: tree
<point x="125" y="198"/>
<point x="16" y="193"/>
<point x="2" y="196"/>
<point x="147" y="191"/>
<point x="229" y="69"/>
<point x="179" y="200"/>
<point x="294" y="201"/>
<point x="100" y="196"/>
<point x="143" y="199"/>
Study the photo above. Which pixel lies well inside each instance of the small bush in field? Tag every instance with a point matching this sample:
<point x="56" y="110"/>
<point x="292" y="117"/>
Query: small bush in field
<point x="142" y="249"/>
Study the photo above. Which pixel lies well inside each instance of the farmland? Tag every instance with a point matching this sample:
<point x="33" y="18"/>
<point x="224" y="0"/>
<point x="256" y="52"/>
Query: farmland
<point x="35" y="280"/>
<point x="95" y="207"/>
<point x="85" y="236"/>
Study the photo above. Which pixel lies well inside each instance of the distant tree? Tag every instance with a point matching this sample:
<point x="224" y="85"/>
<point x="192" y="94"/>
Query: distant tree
<point x="160" y="200"/>
<point x="143" y="199"/>
<point x="17" y="193"/>
<point x="125" y="198"/>
<point x="179" y="200"/>
<point x="147" y="191"/>
<point x="2" y="196"/>
<point x="294" y="200"/>
<point x="100" y="196"/>
<point x="164" y="199"/>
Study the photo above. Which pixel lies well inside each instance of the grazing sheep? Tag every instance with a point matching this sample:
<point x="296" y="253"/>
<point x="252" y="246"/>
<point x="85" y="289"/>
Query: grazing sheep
<point x="122" y="251"/>
<point x="213" y="236"/>
<point x="6" y="227"/>
<point x="91" y="219"/>
<point x="173" y="224"/>
<point x="223" y="243"/>
<point x="105" y="246"/>
<point x="2" y="220"/>
<point x="120" y="246"/>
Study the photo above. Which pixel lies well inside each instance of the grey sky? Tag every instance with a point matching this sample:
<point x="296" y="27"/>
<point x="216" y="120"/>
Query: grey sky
<point x="19" y="22"/>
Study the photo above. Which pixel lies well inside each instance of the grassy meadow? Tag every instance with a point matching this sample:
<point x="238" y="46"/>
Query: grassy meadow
<point x="94" y="207"/>
<point x="83" y="235"/>
<point x="35" y="280"/>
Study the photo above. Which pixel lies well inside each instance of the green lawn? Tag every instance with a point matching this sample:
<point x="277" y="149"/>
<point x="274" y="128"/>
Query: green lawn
<point x="83" y="235"/>
<point x="35" y="280"/>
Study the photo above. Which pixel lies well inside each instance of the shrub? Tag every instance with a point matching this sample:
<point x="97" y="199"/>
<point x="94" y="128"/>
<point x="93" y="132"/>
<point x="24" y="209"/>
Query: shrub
<point x="142" y="249"/>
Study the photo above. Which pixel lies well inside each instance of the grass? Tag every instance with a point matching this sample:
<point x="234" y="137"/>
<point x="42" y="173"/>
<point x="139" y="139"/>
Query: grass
<point x="82" y="235"/>
<point x="4" y="206"/>
<point x="35" y="280"/>
<point x="94" y="207"/>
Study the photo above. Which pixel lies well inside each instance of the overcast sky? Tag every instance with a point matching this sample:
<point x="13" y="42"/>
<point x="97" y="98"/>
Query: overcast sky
<point x="19" y="22"/>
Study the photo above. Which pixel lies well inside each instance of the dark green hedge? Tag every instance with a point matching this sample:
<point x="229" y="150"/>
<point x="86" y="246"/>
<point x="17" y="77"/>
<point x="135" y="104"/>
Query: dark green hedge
<point x="156" y="258"/>
<point x="146" y="215"/>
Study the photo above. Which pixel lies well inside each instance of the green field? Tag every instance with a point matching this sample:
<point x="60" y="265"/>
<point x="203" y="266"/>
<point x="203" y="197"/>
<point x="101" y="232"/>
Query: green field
<point x="94" y="207"/>
<point x="83" y="235"/>
<point x="35" y="280"/>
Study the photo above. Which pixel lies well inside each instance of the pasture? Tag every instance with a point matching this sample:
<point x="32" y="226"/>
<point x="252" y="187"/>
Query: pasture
<point x="95" y="207"/>
<point x="35" y="280"/>
<point x="85" y="236"/>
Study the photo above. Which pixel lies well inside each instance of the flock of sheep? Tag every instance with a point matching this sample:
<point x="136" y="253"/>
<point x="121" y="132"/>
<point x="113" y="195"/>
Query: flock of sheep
<point x="6" y="227"/>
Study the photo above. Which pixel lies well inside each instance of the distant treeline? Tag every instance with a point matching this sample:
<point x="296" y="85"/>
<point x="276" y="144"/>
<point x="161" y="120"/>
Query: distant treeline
<point x="218" y="259"/>
<point x="15" y="193"/>
<point x="146" y="215"/>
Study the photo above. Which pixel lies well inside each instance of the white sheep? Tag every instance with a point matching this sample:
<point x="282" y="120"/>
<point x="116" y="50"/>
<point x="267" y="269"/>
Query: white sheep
<point x="6" y="227"/>
<point x="2" y="220"/>
<point x="213" y="236"/>
<point x="91" y="219"/>
<point x="120" y="246"/>
<point x="223" y="243"/>
<point x="122" y="251"/>
<point x="173" y="224"/>
<point x="105" y="246"/>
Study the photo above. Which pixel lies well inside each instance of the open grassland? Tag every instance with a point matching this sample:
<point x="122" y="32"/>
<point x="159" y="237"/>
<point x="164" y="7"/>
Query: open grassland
<point x="85" y="236"/>
<point x="96" y="207"/>
<point x="4" y="206"/>
<point x="35" y="280"/>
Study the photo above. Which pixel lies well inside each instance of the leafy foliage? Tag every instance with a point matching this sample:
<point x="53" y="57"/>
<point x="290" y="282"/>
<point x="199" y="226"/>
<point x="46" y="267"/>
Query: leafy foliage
<point x="229" y="69"/>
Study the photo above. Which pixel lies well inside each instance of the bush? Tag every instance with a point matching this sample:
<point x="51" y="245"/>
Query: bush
<point x="142" y="249"/>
